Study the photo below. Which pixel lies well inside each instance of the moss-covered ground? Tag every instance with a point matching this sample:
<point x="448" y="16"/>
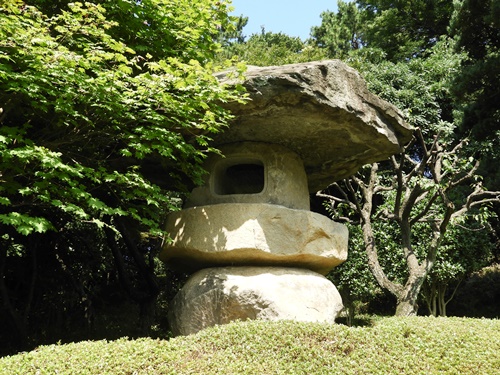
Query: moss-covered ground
<point x="419" y="345"/>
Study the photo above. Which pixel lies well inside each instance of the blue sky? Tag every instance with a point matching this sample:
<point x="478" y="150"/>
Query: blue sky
<point x="292" y="17"/>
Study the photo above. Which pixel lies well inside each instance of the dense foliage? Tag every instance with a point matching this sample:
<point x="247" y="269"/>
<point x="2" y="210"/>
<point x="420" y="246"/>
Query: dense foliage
<point x="268" y="48"/>
<point x="340" y="32"/>
<point x="84" y="112"/>
<point x="476" y="25"/>
<point x="106" y="110"/>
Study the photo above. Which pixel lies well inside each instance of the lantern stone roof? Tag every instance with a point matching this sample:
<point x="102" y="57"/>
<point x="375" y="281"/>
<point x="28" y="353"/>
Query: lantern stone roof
<point x="321" y="110"/>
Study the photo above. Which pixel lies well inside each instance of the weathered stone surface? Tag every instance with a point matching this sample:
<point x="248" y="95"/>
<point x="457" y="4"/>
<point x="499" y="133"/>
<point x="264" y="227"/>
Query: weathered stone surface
<point x="283" y="180"/>
<point x="252" y="234"/>
<point x="324" y="112"/>
<point x="221" y="295"/>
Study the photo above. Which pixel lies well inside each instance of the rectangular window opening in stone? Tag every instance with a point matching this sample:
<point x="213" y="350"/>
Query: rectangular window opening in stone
<point x="241" y="178"/>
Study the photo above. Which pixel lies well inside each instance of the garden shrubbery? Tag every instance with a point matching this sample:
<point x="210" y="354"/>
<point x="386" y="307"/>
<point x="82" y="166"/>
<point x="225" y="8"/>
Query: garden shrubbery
<point x="419" y="345"/>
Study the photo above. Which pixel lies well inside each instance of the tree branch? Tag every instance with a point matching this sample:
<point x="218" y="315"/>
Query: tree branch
<point x="426" y="209"/>
<point x="476" y="198"/>
<point x="399" y="188"/>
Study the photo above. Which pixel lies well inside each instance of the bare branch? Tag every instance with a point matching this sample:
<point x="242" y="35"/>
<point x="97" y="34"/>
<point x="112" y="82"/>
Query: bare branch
<point x="358" y="182"/>
<point x="476" y="198"/>
<point x="450" y="208"/>
<point x="412" y="161"/>
<point x="437" y="165"/>
<point x="409" y="202"/>
<point x="380" y="188"/>
<point x="385" y="214"/>
<point x="330" y="197"/>
<point x="426" y="209"/>
<point x="351" y="189"/>
<point x="419" y="167"/>
<point x="467" y="176"/>
<point x="422" y="196"/>
<point x="345" y="219"/>
<point x="399" y="188"/>
<point x="455" y="152"/>
<point x="342" y="191"/>
<point x="335" y="199"/>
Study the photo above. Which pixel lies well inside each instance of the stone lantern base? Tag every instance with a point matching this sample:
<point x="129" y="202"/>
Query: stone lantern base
<point x="220" y="295"/>
<point x="253" y="234"/>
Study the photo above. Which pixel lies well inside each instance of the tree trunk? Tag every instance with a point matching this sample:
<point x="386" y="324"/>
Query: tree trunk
<point x="407" y="301"/>
<point x="406" y="308"/>
<point x="442" y="304"/>
<point x="429" y="292"/>
<point x="407" y="304"/>
<point x="418" y="199"/>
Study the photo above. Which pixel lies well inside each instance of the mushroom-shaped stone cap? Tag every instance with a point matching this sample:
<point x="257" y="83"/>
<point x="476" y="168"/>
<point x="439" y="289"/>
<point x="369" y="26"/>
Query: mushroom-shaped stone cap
<point x="321" y="110"/>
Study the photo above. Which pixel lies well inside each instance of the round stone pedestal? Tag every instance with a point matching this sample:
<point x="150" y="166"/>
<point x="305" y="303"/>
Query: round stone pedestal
<point x="220" y="295"/>
<point x="253" y="234"/>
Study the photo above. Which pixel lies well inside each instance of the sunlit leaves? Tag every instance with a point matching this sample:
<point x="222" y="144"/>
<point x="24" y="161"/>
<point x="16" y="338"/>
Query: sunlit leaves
<point x="339" y="32"/>
<point x="25" y="224"/>
<point x="86" y="100"/>
<point x="419" y="87"/>
<point x="268" y="48"/>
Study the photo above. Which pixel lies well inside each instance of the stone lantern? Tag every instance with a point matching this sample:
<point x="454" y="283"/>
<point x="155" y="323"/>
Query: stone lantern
<point x="255" y="249"/>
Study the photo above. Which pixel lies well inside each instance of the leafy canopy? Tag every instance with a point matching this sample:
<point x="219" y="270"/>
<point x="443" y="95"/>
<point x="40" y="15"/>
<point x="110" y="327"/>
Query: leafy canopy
<point x="268" y="48"/>
<point x="105" y="109"/>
